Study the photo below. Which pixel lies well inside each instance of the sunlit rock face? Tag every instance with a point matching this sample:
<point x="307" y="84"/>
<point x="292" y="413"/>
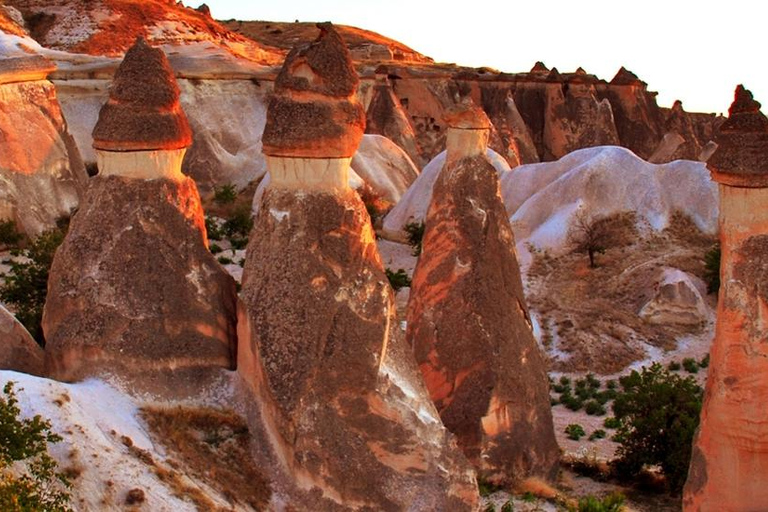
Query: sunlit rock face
<point x="42" y="176"/>
<point x="337" y="388"/>
<point x="18" y="351"/>
<point x="468" y="322"/>
<point x="679" y="123"/>
<point x="729" y="466"/>
<point x="133" y="290"/>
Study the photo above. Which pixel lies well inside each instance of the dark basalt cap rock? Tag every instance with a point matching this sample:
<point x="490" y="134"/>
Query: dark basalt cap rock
<point x="143" y="112"/>
<point x="741" y="158"/>
<point x="314" y="112"/>
<point x="626" y="77"/>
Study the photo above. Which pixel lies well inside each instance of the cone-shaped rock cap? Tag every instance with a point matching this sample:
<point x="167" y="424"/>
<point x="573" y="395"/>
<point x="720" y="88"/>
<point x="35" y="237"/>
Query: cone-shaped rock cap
<point x="626" y="77"/>
<point x="467" y="116"/>
<point x="741" y="158"/>
<point x="314" y="112"/>
<point x="143" y="112"/>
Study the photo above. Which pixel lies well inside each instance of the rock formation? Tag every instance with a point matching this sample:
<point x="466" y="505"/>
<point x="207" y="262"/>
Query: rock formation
<point x="468" y="322"/>
<point x="678" y="122"/>
<point x="133" y="289"/>
<point x="384" y="167"/>
<point x="42" y="176"/>
<point x="729" y="465"/>
<point x="678" y="299"/>
<point x="319" y="346"/>
<point x="18" y="350"/>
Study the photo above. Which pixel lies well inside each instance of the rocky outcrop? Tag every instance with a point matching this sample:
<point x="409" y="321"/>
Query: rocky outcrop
<point x="42" y="177"/>
<point x="384" y="167"/>
<point x="677" y="299"/>
<point x="498" y="406"/>
<point x="729" y="464"/>
<point x="18" y="350"/>
<point x="679" y="122"/>
<point x="319" y="346"/>
<point x="133" y="290"/>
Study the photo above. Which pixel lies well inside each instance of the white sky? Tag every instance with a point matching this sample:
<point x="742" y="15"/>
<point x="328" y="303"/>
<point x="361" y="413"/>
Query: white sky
<point x="695" y="51"/>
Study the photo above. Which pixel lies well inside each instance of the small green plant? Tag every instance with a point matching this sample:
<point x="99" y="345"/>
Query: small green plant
<point x="29" y="480"/>
<point x="594" y="408"/>
<point x="486" y="488"/>
<point x="611" y="503"/>
<point x="575" y="431"/>
<point x="712" y="269"/>
<point x="238" y="243"/>
<point x="415" y="235"/>
<point x="571" y="402"/>
<point x="225" y="194"/>
<point x="704" y="363"/>
<point x="239" y="224"/>
<point x="508" y="507"/>
<point x="597" y="434"/>
<point x="9" y="237"/>
<point x="611" y="384"/>
<point x="398" y="279"/>
<point x="690" y="365"/>
<point x="529" y="497"/>
<point x="565" y="381"/>
<point x="26" y="285"/>
<point x="214" y="248"/>
<point x="611" y="423"/>
<point x="212" y="228"/>
<point x="673" y="366"/>
<point x="224" y="260"/>
<point x="490" y="508"/>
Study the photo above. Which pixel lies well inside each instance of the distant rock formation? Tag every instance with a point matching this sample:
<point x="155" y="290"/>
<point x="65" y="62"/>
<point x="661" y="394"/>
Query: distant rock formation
<point x="680" y="123"/>
<point x="133" y="289"/>
<point x="729" y="465"/>
<point x="384" y="167"/>
<point x="42" y="176"/>
<point x="18" y="350"/>
<point x="344" y="405"/>
<point x="468" y="322"/>
<point x="678" y="299"/>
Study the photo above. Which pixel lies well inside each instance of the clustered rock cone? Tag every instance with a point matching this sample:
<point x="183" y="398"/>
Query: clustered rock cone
<point x="319" y="345"/>
<point x="468" y="322"/>
<point x="133" y="289"/>
<point x="729" y="464"/>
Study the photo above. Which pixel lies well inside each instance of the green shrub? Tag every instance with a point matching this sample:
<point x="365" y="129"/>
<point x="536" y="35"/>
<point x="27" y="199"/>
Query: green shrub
<point x="565" y="381"/>
<point x="610" y="384"/>
<point x="415" y="235"/>
<point x="9" y="237"/>
<point x="575" y="431"/>
<point x="212" y="228"/>
<point x="673" y="366"/>
<point x="508" y="507"/>
<point x="215" y="249"/>
<point x="486" y="488"/>
<point x="611" y="503"/>
<point x="704" y="363"/>
<point x="597" y="434"/>
<point x="712" y="269"/>
<point x="611" y="423"/>
<point x="594" y="408"/>
<point x="239" y="224"/>
<point x="33" y="484"/>
<point x="398" y="279"/>
<point x="690" y="365"/>
<point x="658" y="415"/>
<point x="490" y="508"/>
<point x="571" y="402"/>
<point x="238" y="243"/>
<point x="224" y="260"/>
<point x="26" y="285"/>
<point x="225" y="194"/>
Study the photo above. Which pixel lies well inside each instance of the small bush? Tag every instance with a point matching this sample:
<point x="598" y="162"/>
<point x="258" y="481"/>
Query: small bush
<point x="712" y="269"/>
<point x="611" y="384"/>
<point x="575" y="431"/>
<point x="33" y="484"/>
<point x="215" y="249"/>
<point x="9" y="237"/>
<point x="704" y="363"/>
<point x="415" y="234"/>
<point x="611" y="423"/>
<point x="594" y="408"/>
<point x="611" y="503"/>
<point x="212" y="228"/>
<point x="508" y="507"/>
<point x="597" y="434"/>
<point x="565" y="381"/>
<point x="224" y="260"/>
<point x="673" y="366"/>
<point x="239" y="224"/>
<point x="238" y="243"/>
<point x="398" y="279"/>
<point x="690" y="365"/>
<point x="486" y="488"/>
<point x="571" y="402"/>
<point x="225" y="194"/>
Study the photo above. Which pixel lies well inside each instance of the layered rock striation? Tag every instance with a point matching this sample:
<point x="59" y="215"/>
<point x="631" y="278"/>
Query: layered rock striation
<point x="319" y="346"/>
<point x="133" y="290"/>
<point x="468" y="322"/>
<point x="729" y="465"/>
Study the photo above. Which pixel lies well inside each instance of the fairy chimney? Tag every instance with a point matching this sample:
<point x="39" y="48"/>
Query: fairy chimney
<point x="468" y="322"/>
<point x="133" y="289"/>
<point x="729" y="464"/>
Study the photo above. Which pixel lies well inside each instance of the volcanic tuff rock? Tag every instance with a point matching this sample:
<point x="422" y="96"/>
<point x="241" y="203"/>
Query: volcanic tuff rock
<point x="384" y="167"/>
<point x="729" y="464"/>
<point x="18" y="351"/>
<point x="133" y="289"/>
<point x="318" y="342"/>
<point x="678" y="298"/>
<point x="497" y="406"/>
<point x="42" y="176"/>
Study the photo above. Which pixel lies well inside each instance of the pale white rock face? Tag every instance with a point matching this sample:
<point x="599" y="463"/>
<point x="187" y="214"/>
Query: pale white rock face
<point x="605" y="180"/>
<point x="463" y="143"/>
<point x="666" y="148"/>
<point x="144" y="165"/>
<point x="81" y="101"/>
<point x="414" y="203"/>
<point x="678" y="299"/>
<point x="384" y="167"/>
<point x="311" y="174"/>
<point x="41" y="174"/>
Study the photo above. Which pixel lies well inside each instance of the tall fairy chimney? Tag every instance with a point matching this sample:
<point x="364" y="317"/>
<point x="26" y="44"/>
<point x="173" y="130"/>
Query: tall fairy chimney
<point x="729" y="465"/>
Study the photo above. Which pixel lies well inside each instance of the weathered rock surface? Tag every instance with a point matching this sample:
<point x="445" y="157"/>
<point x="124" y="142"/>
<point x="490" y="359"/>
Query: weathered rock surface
<point x="18" y="350"/>
<point x="679" y="122"/>
<point x="412" y="207"/>
<point x="497" y="406"/>
<point x="678" y="299"/>
<point x="384" y="167"/>
<point x="729" y="464"/>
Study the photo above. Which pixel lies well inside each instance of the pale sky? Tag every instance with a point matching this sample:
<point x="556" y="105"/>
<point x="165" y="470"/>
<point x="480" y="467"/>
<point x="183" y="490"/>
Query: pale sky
<point x="695" y="51"/>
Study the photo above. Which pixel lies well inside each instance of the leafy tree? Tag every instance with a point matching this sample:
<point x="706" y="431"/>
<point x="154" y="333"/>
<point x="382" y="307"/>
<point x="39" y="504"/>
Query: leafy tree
<point x="658" y="414"/>
<point x="415" y="234"/>
<point x="33" y="484"/>
<point x="26" y="286"/>
<point x="712" y="269"/>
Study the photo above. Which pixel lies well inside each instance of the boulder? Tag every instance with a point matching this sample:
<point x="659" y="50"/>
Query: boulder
<point x="483" y="368"/>
<point x="677" y="299"/>
<point x="18" y="350"/>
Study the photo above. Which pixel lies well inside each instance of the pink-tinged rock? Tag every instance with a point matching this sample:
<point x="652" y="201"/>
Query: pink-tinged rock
<point x="18" y="351"/>
<point x="469" y="326"/>
<point x="729" y="465"/>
